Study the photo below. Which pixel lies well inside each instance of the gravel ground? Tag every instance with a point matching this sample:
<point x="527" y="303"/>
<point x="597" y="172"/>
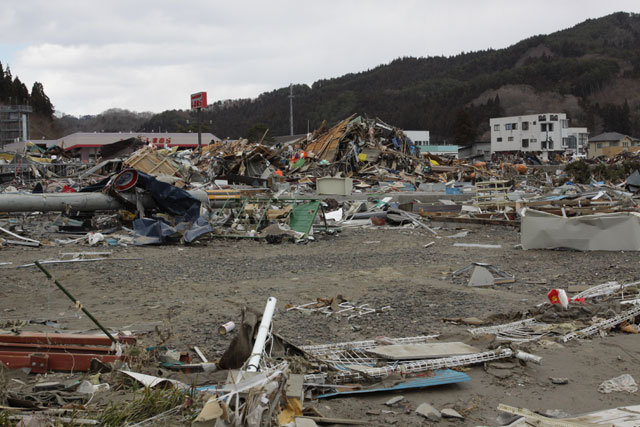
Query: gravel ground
<point x="188" y="292"/>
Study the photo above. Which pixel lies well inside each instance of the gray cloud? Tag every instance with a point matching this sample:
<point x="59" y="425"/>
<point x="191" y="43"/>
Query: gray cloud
<point x="150" y="55"/>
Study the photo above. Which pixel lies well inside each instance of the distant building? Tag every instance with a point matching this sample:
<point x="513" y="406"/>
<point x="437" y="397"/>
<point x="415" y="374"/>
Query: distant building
<point x="611" y="143"/>
<point x="89" y="146"/>
<point x="14" y="123"/>
<point x="422" y="141"/>
<point x="480" y="151"/>
<point x="418" y="137"/>
<point x="439" y="150"/>
<point x="537" y="133"/>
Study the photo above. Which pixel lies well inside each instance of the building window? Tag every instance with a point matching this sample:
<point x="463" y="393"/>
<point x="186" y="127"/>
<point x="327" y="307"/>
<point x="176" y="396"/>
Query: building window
<point x="544" y="144"/>
<point x="553" y="118"/>
<point x="525" y="143"/>
<point x="499" y="139"/>
<point x="614" y="143"/>
<point x="543" y="127"/>
<point x="525" y="125"/>
<point x="599" y="145"/>
<point x="496" y="127"/>
<point x="550" y="144"/>
<point x="542" y="118"/>
<point x="510" y="138"/>
<point x="625" y="144"/>
<point x="507" y="126"/>
<point x="514" y="126"/>
<point x="533" y="140"/>
<point x="565" y="124"/>
<point x="550" y="127"/>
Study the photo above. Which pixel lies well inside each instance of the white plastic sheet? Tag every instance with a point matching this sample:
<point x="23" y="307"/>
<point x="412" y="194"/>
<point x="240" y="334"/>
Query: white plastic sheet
<point x="618" y="231"/>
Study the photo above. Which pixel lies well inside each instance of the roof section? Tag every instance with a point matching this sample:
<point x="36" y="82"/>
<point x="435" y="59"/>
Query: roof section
<point x="607" y="136"/>
<point x="175" y="139"/>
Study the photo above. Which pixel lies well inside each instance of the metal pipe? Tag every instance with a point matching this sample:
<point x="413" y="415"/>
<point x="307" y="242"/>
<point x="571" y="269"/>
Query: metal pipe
<point x="76" y="302"/>
<point x="61" y="202"/>
<point x="261" y="338"/>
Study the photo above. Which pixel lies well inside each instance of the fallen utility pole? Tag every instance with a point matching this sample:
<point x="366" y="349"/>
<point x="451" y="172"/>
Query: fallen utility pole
<point x="76" y="302"/>
<point x="85" y="202"/>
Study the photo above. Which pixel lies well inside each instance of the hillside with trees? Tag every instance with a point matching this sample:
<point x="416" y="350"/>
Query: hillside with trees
<point x="574" y="70"/>
<point x="590" y="71"/>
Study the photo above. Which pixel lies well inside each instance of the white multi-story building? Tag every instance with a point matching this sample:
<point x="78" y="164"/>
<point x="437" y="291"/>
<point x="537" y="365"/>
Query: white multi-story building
<point x="538" y="133"/>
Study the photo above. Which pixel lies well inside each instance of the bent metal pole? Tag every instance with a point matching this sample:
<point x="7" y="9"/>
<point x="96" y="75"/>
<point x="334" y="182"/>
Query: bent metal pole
<point x="76" y="302"/>
<point x="261" y="338"/>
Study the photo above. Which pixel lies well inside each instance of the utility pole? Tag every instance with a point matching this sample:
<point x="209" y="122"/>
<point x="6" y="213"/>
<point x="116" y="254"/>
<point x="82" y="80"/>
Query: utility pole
<point x="291" y="106"/>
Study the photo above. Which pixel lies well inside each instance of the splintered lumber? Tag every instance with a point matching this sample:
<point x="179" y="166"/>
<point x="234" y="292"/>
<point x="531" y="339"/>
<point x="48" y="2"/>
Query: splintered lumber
<point x="149" y="161"/>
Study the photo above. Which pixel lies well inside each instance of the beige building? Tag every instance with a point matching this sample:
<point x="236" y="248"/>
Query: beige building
<point x="611" y="143"/>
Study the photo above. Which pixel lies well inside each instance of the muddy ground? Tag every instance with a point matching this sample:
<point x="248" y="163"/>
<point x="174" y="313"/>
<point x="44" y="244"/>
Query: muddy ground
<point x="188" y="292"/>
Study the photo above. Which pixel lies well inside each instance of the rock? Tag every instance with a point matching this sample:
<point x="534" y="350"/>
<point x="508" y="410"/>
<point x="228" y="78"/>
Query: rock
<point x="559" y="381"/>
<point x="429" y="412"/>
<point x="390" y="420"/>
<point x="393" y="400"/>
<point x="481" y="277"/>
<point x="499" y="373"/>
<point x="451" y="413"/>
<point x="472" y="321"/>
<point x="502" y="365"/>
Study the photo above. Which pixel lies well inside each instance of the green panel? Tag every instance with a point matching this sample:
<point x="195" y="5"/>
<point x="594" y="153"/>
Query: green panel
<point x="302" y="216"/>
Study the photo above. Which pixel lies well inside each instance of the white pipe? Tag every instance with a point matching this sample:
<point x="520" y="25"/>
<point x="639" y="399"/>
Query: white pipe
<point x="528" y="357"/>
<point x="263" y="332"/>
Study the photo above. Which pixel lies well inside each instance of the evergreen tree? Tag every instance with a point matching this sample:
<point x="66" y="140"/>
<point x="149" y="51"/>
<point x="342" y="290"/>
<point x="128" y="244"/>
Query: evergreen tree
<point x="4" y="89"/>
<point x="464" y="129"/>
<point x="40" y="101"/>
<point x="19" y="92"/>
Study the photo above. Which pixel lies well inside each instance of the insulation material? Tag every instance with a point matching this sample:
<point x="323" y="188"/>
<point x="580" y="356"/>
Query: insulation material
<point x="602" y="232"/>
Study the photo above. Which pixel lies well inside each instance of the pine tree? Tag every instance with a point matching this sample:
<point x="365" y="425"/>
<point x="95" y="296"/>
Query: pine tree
<point x="4" y="89"/>
<point x="464" y="130"/>
<point x="19" y="92"/>
<point x="40" y="101"/>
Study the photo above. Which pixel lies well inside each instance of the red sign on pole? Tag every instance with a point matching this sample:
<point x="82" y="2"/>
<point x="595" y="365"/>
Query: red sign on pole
<point x="198" y="100"/>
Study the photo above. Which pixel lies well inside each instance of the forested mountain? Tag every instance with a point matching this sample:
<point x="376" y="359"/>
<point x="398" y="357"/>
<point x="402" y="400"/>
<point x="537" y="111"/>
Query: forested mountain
<point x="112" y="120"/>
<point x="590" y="71"/>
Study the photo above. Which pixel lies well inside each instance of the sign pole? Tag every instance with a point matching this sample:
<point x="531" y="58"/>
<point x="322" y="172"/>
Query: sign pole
<point x="198" y="102"/>
<point x="199" y="130"/>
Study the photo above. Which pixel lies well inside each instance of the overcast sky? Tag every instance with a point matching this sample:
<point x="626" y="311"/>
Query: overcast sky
<point x="146" y="55"/>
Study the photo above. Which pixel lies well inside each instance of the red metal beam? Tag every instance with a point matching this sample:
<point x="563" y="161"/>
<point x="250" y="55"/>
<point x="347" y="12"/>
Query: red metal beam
<point x="41" y="363"/>
<point x="51" y="348"/>
<point x="47" y="338"/>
